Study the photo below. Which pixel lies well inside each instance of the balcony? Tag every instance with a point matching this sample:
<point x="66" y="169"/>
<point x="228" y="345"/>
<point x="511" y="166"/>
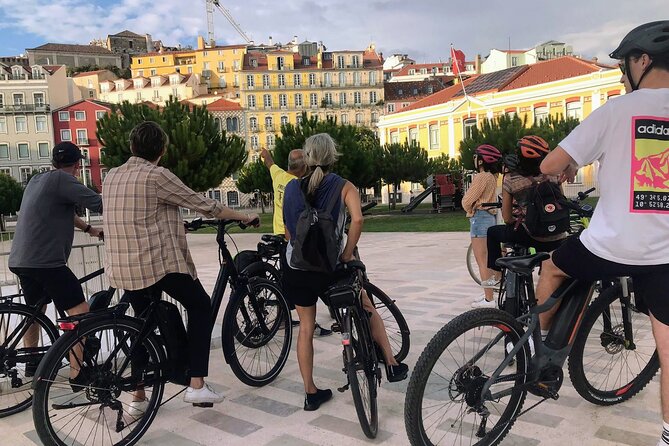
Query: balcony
<point x="25" y="108"/>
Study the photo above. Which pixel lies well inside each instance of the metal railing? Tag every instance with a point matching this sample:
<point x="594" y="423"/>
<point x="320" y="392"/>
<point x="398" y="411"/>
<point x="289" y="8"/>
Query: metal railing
<point x="25" y="108"/>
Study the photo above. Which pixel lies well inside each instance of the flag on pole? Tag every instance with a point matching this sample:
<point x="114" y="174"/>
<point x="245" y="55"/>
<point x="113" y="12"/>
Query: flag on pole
<point x="458" y="61"/>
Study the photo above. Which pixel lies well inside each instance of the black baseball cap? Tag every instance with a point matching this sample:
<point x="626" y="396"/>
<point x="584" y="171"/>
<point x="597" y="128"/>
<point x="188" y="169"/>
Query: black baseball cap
<point x="66" y="153"/>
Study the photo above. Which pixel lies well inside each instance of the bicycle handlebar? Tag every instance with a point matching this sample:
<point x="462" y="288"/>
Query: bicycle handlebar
<point x="198" y="223"/>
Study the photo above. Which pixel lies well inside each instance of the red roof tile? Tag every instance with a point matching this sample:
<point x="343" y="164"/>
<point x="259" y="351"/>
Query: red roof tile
<point x="224" y="105"/>
<point x="553" y="70"/>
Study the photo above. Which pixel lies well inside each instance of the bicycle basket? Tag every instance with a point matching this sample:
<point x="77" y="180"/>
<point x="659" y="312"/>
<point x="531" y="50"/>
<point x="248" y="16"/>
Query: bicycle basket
<point x="176" y="341"/>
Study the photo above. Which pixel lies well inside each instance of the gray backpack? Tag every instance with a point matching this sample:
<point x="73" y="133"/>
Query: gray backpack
<point x="316" y="244"/>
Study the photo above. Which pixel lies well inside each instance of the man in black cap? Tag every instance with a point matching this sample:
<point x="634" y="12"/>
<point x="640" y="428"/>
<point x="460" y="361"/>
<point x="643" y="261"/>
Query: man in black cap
<point x="45" y="232"/>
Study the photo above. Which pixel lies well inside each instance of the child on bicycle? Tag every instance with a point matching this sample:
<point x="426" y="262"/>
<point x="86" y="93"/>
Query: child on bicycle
<point x="482" y="190"/>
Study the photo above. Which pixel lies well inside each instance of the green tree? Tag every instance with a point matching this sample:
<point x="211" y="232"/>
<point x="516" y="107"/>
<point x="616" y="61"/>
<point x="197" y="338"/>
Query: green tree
<point x="197" y="153"/>
<point x="445" y="164"/>
<point x="255" y="177"/>
<point x="504" y="132"/>
<point x="11" y="194"/>
<point x="403" y="162"/>
<point x="359" y="148"/>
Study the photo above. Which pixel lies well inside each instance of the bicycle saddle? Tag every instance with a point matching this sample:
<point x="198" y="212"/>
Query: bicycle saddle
<point x="274" y="239"/>
<point x="523" y="264"/>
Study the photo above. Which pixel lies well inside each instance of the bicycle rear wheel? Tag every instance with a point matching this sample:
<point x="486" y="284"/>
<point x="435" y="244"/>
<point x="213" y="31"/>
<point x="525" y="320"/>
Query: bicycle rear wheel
<point x="397" y="328"/>
<point x="99" y="409"/>
<point x="20" y="354"/>
<point x="604" y="366"/>
<point x="362" y="371"/>
<point x="257" y="333"/>
<point x="444" y="404"/>
<point x="472" y="266"/>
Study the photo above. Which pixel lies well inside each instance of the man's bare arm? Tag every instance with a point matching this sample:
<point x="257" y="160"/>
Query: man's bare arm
<point x="267" y="157"/>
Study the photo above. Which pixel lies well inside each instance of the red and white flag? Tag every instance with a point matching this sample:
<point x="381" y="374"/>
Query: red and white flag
<point x="458" y="64"/>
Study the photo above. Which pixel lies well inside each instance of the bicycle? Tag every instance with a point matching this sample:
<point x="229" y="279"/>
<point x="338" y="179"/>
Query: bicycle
<point x="476" y="385"/>
<point x="144" y="354"/>
<point x="18" y="362"/>
<point x="266" y="263"/>
<point x="360" y="353"/>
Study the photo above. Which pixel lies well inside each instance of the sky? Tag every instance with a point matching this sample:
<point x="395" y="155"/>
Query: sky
<point x="423" y="29"/>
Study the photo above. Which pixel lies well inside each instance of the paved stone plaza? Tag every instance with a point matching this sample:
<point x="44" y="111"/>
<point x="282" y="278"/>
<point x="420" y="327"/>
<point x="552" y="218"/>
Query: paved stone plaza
<point x="426" y="274"/>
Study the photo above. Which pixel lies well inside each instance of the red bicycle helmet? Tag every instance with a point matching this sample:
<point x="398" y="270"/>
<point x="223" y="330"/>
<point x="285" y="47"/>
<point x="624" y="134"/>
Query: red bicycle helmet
<point x="489" y="154"/>
<point x="533" y="147"/>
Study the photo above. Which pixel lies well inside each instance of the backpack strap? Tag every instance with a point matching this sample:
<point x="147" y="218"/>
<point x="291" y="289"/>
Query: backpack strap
<point x="302" y="187"/>
<point x="333" y="199"/>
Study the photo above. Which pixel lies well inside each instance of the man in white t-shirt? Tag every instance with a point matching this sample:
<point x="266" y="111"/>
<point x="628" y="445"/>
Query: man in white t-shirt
<point x="629" y="231"/>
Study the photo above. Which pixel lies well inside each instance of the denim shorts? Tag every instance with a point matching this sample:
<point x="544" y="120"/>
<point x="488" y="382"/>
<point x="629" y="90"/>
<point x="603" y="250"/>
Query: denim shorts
<point x="480" y="223"/>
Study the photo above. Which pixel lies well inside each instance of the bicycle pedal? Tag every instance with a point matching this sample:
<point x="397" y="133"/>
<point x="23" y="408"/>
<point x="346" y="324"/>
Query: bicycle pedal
<point x="343" y="388"/>
<point x="203" y="404"/>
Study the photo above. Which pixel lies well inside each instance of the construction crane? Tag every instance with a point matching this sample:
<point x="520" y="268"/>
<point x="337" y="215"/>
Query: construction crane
<point x="210" y="21"/>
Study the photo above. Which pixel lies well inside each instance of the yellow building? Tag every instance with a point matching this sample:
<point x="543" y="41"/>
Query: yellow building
<point x="565" y="86"/>
<point x="277" y="86"/>
<point x="217" y="68"/>
<point x="156" y="88"/>
<point x="89" y="82"/>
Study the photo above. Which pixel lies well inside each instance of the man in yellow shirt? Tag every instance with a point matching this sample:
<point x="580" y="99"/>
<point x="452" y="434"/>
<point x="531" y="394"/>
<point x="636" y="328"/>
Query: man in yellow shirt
<point x="297" y="168"/>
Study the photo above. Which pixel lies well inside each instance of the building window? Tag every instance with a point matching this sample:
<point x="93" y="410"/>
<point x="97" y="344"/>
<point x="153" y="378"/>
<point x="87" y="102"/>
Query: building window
<point x="574" y="110"/>
<point x="284" y="120"/>
<point x="298" y="100"/>
<point x="254" y="141"/>
<point x="344" y="118"/>
<point x="282" y="81"/>
<point x="313" y="100"/>
<point x="63" y="116"/>
<point x="540" y="114"/>
<point x="232" y="196"/>
<point x="341" y="62"/>
<point x="265" y="80"/>
<point x="269" y="124"/>
<point x="38" y="99"/>
<point x="357" y="79"/>
<point x="4" y="151"/>
<point x="355" y="61"/>
<point x="342" y="98"/>
<point x="250" y="82"/>
<point x="43" y="149"/>
<point x="391" y="108"/>
<point x="298" y="118"/>
<point x="270" y="141"/>
<point x="469" y="125"/>
<point x="82" y="137"/>
<point x="251" y="101"/>
<point x="283" y="101"/>
<point x="154" y="72"/>
<point x="357" y="98"/>
<point x="232" y="124"/>
<point x="375" y="117"/>
<point x="297" y="80"/>
<point x="18" y="99"/>
<point x="280" y="63"/>
<point x="24" y="150"/>
<point x="65" y="135"/>
<point x="100" y="114"/>
<point x="359" y="118"/>
<point x="413" y="135"/>
<point x="2" y="99"/>
<point x="328" y="98"/>
<point x="342" y="79"/>
<point x="372" y="97"/>
<point x="312" y="79"/>
<point x="40" y="124"/>
<point x="514" y="61"/>
<point x="6" y="170"/>
<point x="412" y="72"/>
<point x="24" y="173"/>
<point x="267" y="100"/>
<point x="434" y="137"/>
<point x="394" y="138"/>
<point x="253" y="123"/>
<point x="3" y="124"/>
<point x="21" y="123"/>
<point x="372" y="78"/>
<point x="327" y="79"/>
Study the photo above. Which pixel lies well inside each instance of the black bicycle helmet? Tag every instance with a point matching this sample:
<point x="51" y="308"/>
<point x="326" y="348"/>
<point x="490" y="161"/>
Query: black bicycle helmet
<point x="511" y="161"/>
<point x="651" y="38"/>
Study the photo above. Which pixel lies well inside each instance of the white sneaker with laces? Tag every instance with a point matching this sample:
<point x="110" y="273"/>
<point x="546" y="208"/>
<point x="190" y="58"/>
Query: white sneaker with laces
<point x="482" y="303"/>
<point x="138" y="408"/>
<point x="205" y="395"/>
<point x="490" y="283"/>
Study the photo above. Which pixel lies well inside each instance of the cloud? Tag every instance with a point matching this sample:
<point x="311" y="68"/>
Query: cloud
<point x="422" y="28"/>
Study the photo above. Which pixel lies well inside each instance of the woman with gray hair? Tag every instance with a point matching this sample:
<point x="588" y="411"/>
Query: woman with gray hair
<point x="303" y="288"/>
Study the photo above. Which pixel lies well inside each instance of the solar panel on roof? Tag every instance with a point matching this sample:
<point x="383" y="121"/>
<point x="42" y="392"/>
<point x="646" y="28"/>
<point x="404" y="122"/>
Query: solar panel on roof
<point x="491" y="81"/>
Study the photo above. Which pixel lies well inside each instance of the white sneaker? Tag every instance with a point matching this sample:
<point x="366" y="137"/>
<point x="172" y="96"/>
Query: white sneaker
<point x="138" y="408"/>
<point x="482" y="303"/>
<point x="205" y="395"/>
<point x="490" y="283"/>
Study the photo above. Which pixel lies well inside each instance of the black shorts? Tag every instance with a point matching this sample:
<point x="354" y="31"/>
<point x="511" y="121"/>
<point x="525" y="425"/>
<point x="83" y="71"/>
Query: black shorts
<point x="649" y="281"/>
<point x="303" y="288"/>
<point x="59" y="285"/>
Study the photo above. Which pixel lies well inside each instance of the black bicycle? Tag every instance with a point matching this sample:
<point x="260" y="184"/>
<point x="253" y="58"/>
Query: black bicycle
<point x="360" y="354"/>
<point x="463" y="388"/>
<point x="121" y="356"/>
<point x="26" y="334"/>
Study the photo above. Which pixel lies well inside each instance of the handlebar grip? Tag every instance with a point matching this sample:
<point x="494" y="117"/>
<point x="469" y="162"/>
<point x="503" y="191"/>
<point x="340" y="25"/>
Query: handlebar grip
<point x="254" y="222"/>
<point x="355" y="264"/>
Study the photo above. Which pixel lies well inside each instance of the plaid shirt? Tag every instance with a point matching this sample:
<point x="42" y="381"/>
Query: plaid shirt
<point x="144" y="233"/>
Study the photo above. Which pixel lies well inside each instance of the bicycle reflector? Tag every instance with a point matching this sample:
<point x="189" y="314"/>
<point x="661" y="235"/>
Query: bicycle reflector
<point x="66" y="325"/>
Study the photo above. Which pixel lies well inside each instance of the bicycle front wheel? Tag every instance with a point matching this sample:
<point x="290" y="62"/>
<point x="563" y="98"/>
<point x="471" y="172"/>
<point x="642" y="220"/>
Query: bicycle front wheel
<point x="397" y="328"/>
<point x="472" y="266"/>
<point x="362" y="371"/>
<point x="257" y="333"/>
<point x="444" y="403"/>
<point x="606" y="365"/>
<point x="22" y="347"/>
<point x="115" y="368"/>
